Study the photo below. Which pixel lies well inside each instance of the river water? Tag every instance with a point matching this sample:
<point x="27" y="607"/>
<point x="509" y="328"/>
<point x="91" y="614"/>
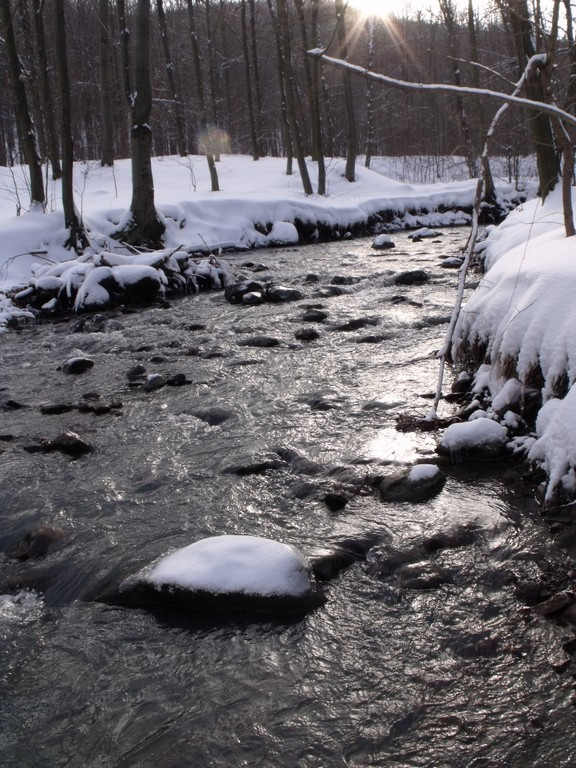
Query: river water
<point x="459" y="675"/>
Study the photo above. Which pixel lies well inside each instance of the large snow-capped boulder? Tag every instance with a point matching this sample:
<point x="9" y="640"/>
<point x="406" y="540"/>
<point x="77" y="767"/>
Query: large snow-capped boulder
<point x="383" y="242"/>
<point x="283" y="233"/>
<point x="420" y="482"/>
<point x="478" y="439"/>
<point x="225" y="573"/>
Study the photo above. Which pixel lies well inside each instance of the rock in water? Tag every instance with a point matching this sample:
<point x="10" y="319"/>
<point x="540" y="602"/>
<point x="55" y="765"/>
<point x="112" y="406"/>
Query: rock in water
<point x="226" y="573"/>
<point x="411" y="277"/>
<point x="70" y="443"/>
<point x="37" y="542"/>
<point x="382" y="243"/>
<point x="482" y="439"/>
<point x="77" y="365"/>
<point x="421" y="482"/>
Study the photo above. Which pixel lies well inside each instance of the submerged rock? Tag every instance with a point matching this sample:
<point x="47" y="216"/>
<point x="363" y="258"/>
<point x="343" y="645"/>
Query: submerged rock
<point x="37" y="542"/>
<point x="225" y="573"/>
<point x="421" y="482"/>
<point x="77" y="365"/>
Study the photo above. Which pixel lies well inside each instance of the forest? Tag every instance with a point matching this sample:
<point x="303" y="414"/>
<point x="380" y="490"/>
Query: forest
<point x="216" y="63"/>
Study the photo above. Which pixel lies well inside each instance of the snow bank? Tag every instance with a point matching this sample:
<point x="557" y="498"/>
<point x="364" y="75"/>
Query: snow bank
<point x="258" y="205"/>
<point x="521" y="321"/>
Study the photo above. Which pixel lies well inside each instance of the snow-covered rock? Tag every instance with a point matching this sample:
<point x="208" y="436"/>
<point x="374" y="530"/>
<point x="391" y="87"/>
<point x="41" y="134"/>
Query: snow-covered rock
<point x="226" y="573"/>
<point x="419" y="483"/>
<point x="481" y="438"/>
<point x="283" y="233"/>
<point x="383" y="242"/>
<point x="424" y="232"/>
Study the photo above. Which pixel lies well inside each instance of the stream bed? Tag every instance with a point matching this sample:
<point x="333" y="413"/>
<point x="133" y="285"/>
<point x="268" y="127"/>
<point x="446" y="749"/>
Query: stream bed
<point x="459" y="674"/>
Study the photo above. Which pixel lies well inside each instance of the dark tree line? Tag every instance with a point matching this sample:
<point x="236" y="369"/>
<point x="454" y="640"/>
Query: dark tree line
<point x="160" y="77"/>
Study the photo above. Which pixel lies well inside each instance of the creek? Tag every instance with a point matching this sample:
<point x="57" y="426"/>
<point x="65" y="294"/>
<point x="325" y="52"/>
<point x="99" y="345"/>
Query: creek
<point x="461" y="675"/>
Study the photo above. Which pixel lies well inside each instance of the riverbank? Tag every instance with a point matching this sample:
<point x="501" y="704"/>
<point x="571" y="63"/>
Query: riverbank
<point x="515" y="334"/>
<point x="255" y="201"/>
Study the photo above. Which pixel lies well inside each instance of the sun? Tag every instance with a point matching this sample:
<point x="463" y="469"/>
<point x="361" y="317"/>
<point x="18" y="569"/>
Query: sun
<point x="378" y="8"/>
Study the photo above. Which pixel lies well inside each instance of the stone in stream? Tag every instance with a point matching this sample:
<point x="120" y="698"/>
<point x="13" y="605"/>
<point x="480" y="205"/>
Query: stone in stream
<point x="77" y="365"/>
<point x="383" y="243"/>
<point x="154" y="381"/>
<point x="136" y="372"/>
<point x="419" y="483"/>
<point x="356" y="323"/>
<point x="307" y="334"/>
<point x="227" y="573"/>
<point x="235" y="293"/>
<point x="480" y="439"/>
<point x="259" y="341"/>
<point x="282" y="293"/>
<point x="213" y="416"/>
<point x="55" y="409"/>
<point x="37" y="542"/>
<point x="412" y="277"/>
<point x="327" y="562"/>
<point x="313" y="315"/>
<point x="66" y="442"/>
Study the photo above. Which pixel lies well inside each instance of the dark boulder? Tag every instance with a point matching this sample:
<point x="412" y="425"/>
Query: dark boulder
<point x="235" y="293"/>
<point x="77" y="365"/>
<point x="412" y="277"/>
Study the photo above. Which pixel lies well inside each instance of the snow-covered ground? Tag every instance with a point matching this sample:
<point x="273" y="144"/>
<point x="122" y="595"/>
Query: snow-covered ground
<point x="251" y="193"/>
<point x="523" y="314"/>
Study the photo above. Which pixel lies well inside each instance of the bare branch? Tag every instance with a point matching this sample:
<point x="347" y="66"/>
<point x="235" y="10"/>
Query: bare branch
<point x="406" y="85"/>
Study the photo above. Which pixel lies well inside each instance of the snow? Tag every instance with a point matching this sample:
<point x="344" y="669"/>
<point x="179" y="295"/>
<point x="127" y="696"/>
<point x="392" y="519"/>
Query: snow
<point x="421" y="472"/>
<point x="252" y="195"/>
<point x="234" y="563"/>
<point x="470" y="434"/>
<point x="523" y="313"/>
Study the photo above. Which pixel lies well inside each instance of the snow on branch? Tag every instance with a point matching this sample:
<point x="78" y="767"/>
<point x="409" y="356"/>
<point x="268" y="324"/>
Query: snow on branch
<point x="406" y="85"/>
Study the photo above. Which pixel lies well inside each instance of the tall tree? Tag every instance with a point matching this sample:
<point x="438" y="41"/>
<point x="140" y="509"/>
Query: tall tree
<point x="197" y="65"/>
<point x="448" y="12"/>
<point x="249" y="78"/>
<point x="351" y="133"/>
<point x="144" y="227"/>
<point x="523" y="31"/>
<point x="287" y="74"/>
<point x="23" y="117"/>
<point x="173" y="91"/>
<point x="107" y="145"/>
<point x="77" y="239"/>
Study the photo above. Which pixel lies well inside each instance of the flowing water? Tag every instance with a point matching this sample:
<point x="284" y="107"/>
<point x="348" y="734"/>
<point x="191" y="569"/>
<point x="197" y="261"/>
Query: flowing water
<point x="459" y="675"/>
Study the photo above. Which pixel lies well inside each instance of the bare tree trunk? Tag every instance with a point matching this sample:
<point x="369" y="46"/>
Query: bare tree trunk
<point x="316" y="112"/>
<point x="540" y="124"/>
<point x="47" y="92"/>
<point x="248" y="77"/>
<point x="179" y="120"/>
<point x="288" y="76"/>
<point x="447" y="10"/>
<point x="256" y="76"/>
<point x="370" y="96"/>
<point x="23" y="118"/>
<point x="144" y="227"/>
<point x="287" y="138"/>
<point x="352" y="141"/>
<point x="77" y="238"/>
<point x="107" y="146"/>
<point x="208" y="150"/>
